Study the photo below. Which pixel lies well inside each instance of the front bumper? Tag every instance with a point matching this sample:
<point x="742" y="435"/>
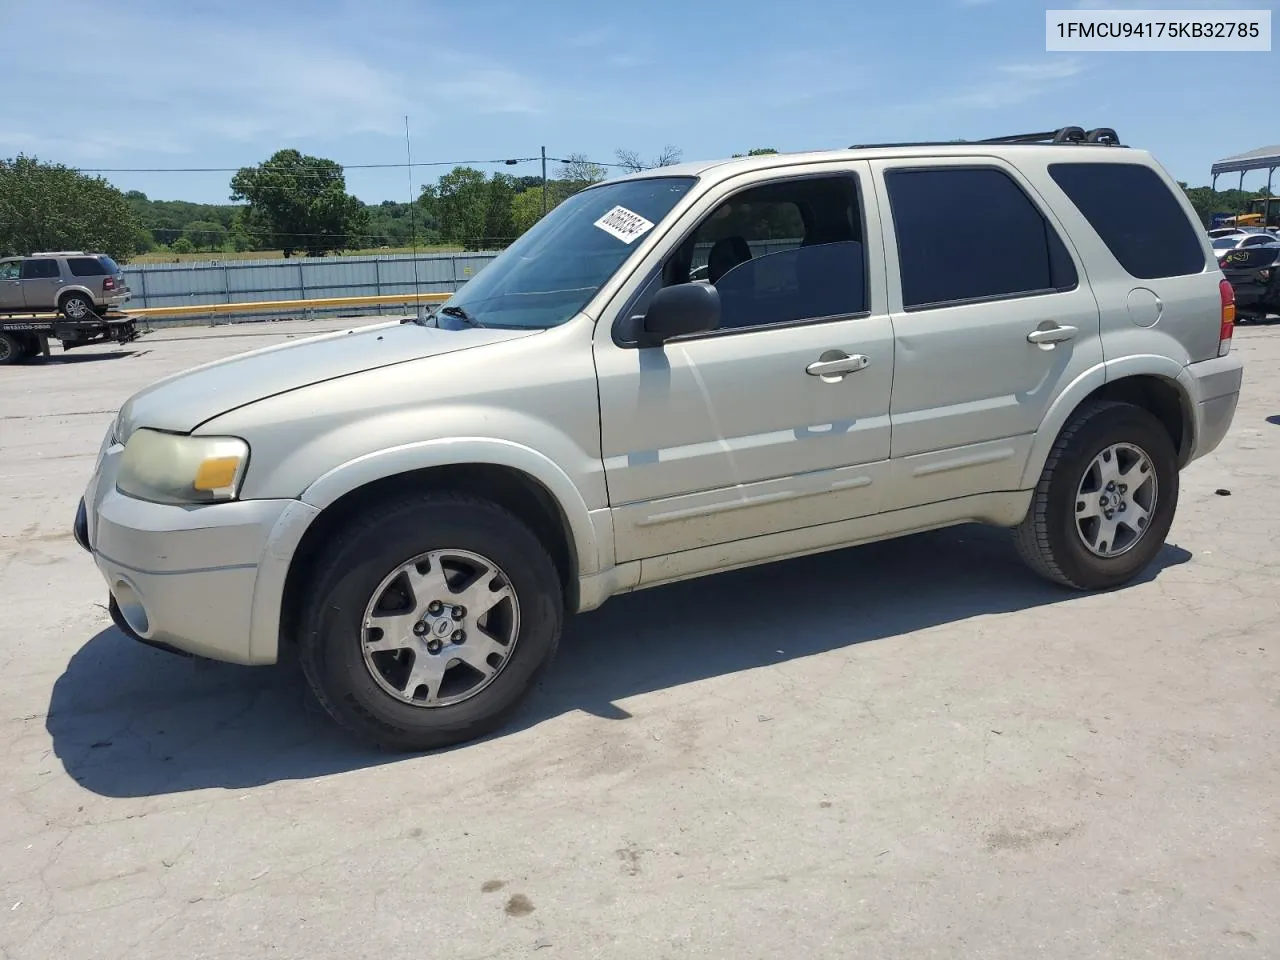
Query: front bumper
<point x="204" y="580"/>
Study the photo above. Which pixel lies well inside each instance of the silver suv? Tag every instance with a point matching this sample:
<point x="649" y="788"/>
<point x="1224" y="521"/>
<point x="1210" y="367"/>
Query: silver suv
<point x="78" y="285"/>
<point x="880" y="340"/>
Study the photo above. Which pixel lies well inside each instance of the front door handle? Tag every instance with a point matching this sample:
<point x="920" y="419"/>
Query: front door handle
<point x="836" y="365"/>
<point x="1051" y="333"/>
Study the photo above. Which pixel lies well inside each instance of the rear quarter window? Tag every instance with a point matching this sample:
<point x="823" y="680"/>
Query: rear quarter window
<point x="87" y="267"/>
<point x="1135" y="215"/>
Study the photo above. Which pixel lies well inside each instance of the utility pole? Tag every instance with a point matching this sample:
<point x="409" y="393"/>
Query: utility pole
<point x="544" y="181"/>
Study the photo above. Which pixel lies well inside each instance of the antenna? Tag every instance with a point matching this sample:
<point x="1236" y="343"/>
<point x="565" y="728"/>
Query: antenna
<point x="413" y="220"/>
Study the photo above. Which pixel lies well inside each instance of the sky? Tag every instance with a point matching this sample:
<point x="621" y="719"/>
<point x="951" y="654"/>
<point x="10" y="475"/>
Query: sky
<point x="200" y="83"/>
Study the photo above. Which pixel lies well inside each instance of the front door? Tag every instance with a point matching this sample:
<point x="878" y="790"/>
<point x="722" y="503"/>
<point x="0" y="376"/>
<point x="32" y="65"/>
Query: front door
<point x="11" y="286"/>
<point x="41" y="281"/>
<point x="777" y="420"/>
<point x="994" y="319"/>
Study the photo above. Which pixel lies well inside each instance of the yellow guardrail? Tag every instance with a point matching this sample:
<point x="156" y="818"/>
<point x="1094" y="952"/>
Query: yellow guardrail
<point x="271" y="306"/>
<point x="265" y="306"/>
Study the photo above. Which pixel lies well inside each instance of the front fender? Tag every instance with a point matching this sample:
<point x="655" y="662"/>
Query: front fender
<point x="450" y="451"/>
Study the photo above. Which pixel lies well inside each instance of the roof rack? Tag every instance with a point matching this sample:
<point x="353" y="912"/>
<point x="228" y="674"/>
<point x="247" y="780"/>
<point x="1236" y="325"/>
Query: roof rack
<point x="1100" y="136"/>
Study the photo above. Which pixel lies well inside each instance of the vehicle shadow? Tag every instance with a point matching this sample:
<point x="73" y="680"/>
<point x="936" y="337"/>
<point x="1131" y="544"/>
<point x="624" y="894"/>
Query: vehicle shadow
<point x="1275" y="419"/>
<point x="63" y="358"/>
<point x="128" y="721"/>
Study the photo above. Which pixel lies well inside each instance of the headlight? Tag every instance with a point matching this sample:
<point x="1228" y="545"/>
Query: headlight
<point x="169" y="468"/>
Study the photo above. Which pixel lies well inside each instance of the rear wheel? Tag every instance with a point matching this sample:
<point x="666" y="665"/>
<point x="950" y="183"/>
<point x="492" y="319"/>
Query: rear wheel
<point x="76" y="306"/>
<point x="11" y="349"/>
<point x="428" y="621"/>
<point x="1105" y="500"/>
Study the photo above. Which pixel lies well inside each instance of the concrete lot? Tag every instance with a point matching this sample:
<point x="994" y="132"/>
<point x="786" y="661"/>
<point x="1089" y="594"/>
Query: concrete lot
<point x="914" y="749"/>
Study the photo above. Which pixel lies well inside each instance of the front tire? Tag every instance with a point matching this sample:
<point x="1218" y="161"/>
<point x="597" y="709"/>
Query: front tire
<point x="1105" y="500"/>
<point x="428" y="621"/>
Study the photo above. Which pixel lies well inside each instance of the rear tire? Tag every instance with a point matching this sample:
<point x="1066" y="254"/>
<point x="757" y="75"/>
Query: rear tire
<point x="76" y="306"/>
<point x="402" y="683"/>
<point x="12" y="349"/>
<point x="1067" y="537"/>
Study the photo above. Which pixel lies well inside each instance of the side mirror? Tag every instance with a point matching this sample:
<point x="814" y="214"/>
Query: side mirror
<point x="682" y="309"/>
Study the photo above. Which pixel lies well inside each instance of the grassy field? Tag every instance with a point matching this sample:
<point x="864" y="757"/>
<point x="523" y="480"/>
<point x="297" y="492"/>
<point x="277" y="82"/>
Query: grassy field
<point x="167" y="256"/>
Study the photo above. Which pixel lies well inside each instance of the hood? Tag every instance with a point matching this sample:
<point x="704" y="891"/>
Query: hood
<point x="182" y="402"/>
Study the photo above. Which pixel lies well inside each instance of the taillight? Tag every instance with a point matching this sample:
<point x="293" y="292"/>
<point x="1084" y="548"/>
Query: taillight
<point x="108" y="283"/>
<point x="1223" y="263"/>
<point x="1228" y="326"/>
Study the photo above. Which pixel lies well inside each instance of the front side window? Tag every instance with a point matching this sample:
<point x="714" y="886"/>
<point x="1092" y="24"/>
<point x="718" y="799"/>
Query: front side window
<point x="44" y="269"/>
<point x="10" y="270"/>
<point x="556" y="267"/>
<point x="780" y="253"/>
<point x="971" y="233"/>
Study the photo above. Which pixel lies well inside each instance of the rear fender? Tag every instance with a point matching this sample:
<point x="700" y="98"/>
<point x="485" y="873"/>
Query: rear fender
<point x="1079" y="390"/>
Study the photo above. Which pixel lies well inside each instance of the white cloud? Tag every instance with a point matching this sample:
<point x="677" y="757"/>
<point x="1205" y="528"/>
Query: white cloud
<point x="210" y="79"/>
<point x="1013" y="84"/>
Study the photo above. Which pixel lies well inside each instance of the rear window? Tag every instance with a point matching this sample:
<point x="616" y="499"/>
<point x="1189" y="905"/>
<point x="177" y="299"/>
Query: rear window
<point x="1139" y="220"/>
<point x="971" y="233"/>
<point x="111" y="265"/>
<point x="87" y="267"/>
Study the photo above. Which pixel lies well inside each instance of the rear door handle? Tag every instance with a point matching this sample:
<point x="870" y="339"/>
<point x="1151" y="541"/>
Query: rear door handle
<point x="836" y="365"/>
<point x="1051" y="334"/>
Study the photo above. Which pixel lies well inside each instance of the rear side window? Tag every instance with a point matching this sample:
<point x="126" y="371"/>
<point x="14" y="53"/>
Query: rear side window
<point x="971" y="233"/>
<point x="86" y="267"/>
<point x="1139" y="220"/>
<point x="40" y="269"/>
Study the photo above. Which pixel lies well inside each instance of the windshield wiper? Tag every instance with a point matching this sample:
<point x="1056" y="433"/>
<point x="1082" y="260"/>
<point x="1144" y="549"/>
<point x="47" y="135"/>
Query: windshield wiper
<point x="461" y="314"/>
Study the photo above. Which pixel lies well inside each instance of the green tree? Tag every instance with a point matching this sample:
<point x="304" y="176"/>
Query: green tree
<point x="299" y="202"/>
<point x="526" y="210"/>
<point x="499" y="226"/>
<point x="206" y="234"/>
<point x="757" y="152"/>
<point x="47" y="206"/>
<point x="460" y="204"/>
<point x="1208" y="201"/>
<point x="183" y="245"/>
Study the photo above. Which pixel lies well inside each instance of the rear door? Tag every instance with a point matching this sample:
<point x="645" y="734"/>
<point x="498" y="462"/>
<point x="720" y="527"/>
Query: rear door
<point x="41" y="280"/>
<point x="992" y="318"/>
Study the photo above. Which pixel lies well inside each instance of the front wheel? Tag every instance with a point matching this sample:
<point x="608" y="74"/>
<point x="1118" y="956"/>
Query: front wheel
<point x="428" y="621"/>
<point x="1105" y="500"/>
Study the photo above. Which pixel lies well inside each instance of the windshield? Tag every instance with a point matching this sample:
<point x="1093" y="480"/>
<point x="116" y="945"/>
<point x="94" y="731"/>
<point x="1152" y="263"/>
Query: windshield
<point x="550" y="273"/>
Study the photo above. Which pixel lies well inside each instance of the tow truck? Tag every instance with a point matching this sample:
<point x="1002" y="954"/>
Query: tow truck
<point x="26" y="337"/>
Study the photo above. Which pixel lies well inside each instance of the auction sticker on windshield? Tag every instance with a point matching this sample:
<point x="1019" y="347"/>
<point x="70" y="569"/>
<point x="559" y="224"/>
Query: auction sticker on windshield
<point x="627" y="225"/>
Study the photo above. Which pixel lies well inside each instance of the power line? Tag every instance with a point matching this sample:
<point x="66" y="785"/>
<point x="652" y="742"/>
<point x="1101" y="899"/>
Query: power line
<point x="507" y="161"/>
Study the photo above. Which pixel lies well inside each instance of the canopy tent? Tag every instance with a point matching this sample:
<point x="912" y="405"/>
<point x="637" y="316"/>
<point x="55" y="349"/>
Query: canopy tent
<point x="1264" y="158"/>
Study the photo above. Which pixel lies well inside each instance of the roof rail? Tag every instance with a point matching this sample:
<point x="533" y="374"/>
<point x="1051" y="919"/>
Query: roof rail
<point x="1101" y="136"/>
